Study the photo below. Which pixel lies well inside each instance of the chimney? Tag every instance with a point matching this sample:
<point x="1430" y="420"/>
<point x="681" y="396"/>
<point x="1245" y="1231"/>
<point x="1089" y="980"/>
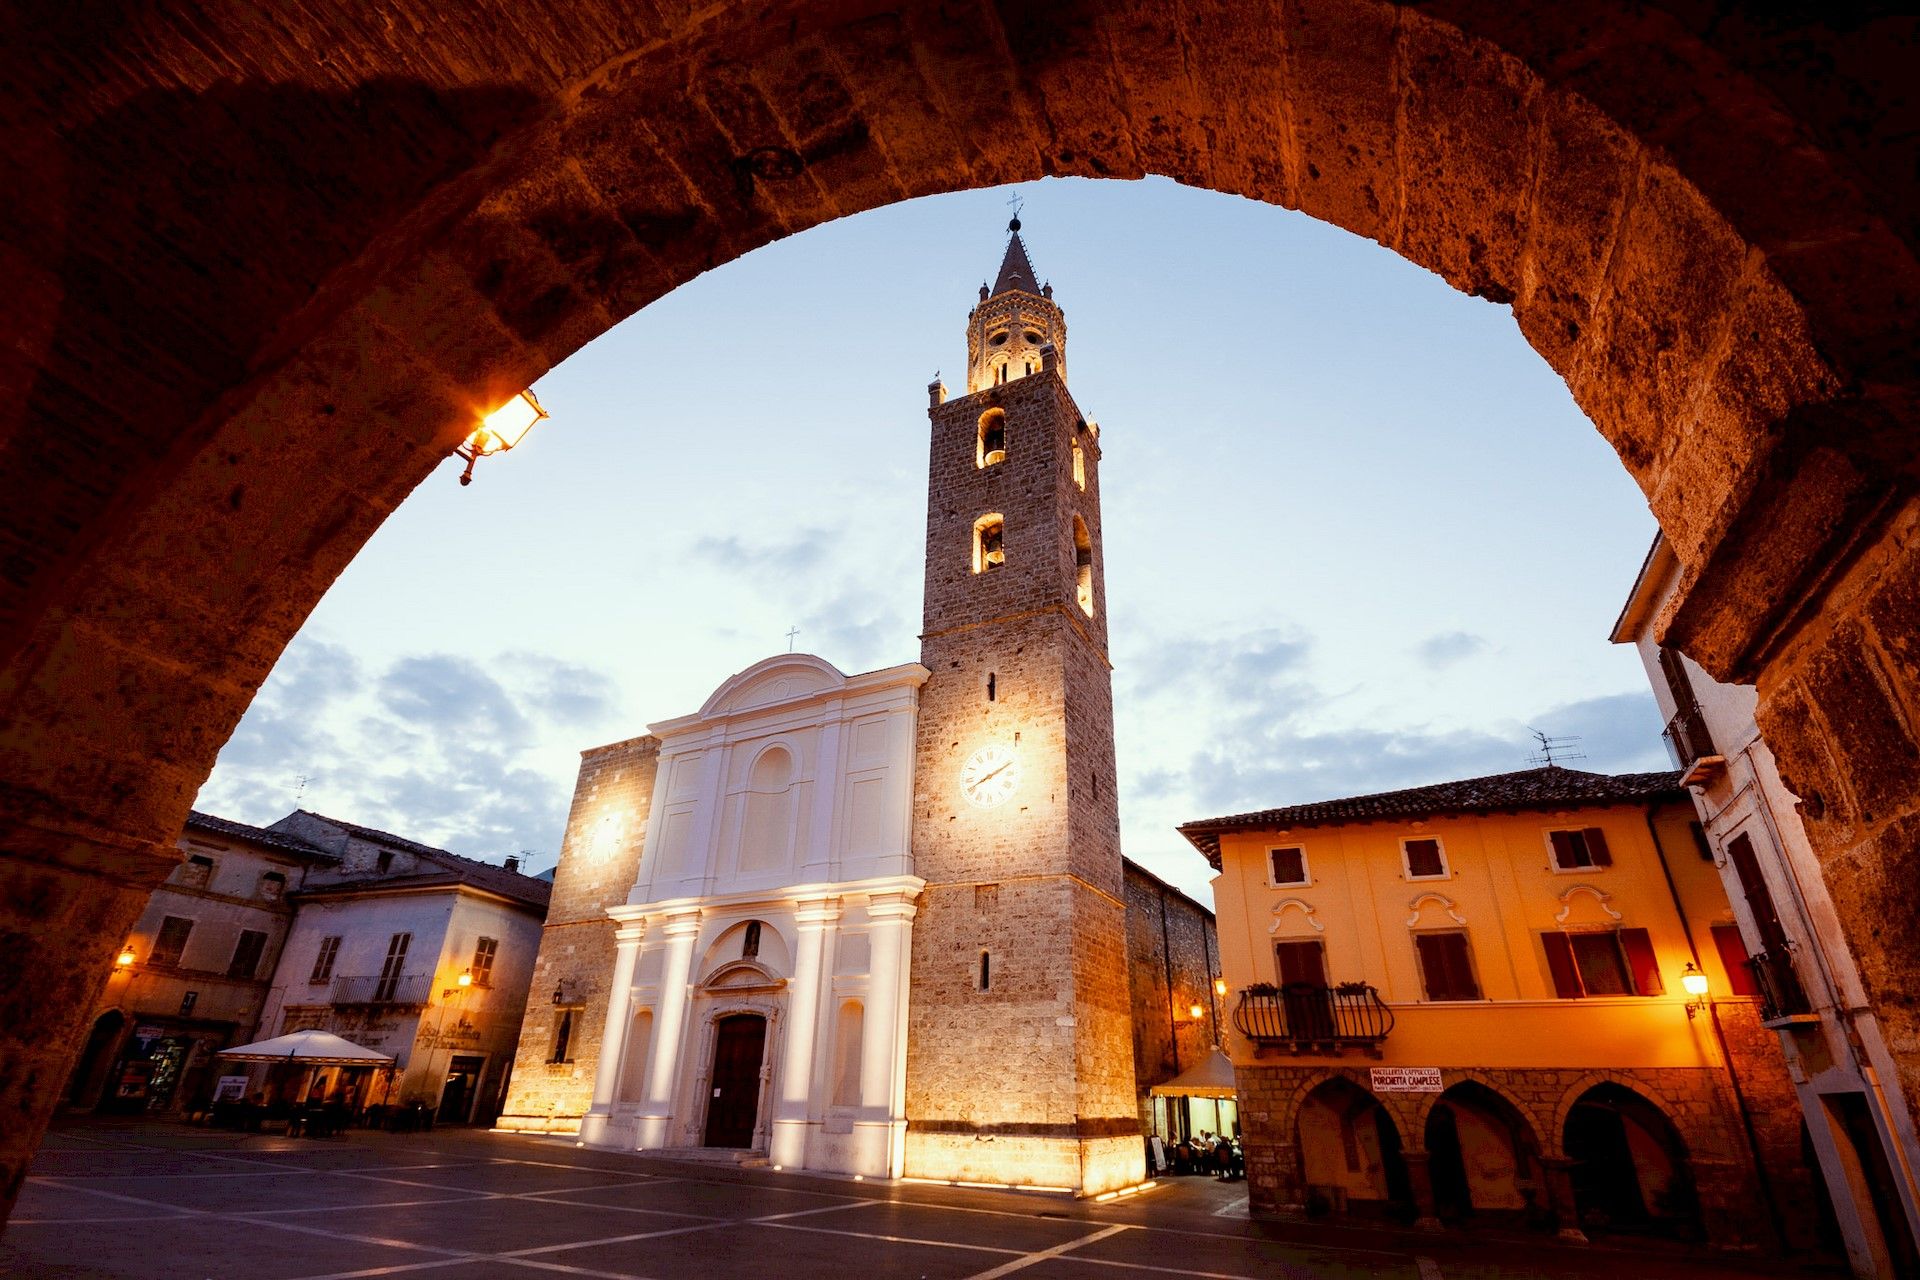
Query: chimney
<point x="513" y="864"/>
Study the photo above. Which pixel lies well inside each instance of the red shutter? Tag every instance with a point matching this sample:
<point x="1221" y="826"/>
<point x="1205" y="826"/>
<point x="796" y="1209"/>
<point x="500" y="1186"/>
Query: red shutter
<point x="1566" y="977"/>
<point x="1641" y="962"/>
<point x="1564" y="856"/>
<point x="1733" y="958"/>
<point x="1597" y="847"/>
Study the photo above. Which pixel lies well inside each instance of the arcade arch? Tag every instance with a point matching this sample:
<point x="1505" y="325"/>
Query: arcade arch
<point x="1704" y="239"/>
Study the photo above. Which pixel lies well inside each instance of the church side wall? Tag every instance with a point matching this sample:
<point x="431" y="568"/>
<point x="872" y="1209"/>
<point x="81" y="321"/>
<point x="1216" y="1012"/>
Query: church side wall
<point x="599" y="862"/>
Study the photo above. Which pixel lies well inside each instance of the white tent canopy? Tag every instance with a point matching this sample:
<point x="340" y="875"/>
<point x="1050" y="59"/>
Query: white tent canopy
<point x="308" y="1049"/>
<point x="1211" y="1077"/>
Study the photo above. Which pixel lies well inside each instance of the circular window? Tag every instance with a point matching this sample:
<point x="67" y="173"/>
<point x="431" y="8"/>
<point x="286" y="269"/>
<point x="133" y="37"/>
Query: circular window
<point x="1034" y="339"/>
<point x="998" y="339"/>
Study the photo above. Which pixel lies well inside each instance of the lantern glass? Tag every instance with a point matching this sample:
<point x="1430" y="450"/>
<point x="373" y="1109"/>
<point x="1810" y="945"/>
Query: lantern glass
<point x="125" y="958"/>
<point x="506" y="426"/>
<point x="1694" y="981"/>
<point x="1219" y="986"/>
<point x="1194" y="1011"/>
<point x="465" y="979"/>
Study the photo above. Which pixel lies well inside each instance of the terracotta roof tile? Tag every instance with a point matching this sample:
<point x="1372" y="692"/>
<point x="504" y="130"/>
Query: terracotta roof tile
<point x="281" y="840"/>
<point x="1550" y="787"/>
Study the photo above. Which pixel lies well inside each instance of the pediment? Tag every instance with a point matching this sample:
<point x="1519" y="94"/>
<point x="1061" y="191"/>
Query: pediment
<point x="743" y="975"/>
<point x="785" y="678"/>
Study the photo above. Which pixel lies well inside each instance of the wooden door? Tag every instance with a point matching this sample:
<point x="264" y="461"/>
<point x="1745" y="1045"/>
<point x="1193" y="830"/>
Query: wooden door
<point x="737" y="1048"/>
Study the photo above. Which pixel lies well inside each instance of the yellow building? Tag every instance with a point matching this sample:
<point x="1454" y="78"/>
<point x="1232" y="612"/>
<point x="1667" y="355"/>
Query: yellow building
<point x="1484" y="998"/>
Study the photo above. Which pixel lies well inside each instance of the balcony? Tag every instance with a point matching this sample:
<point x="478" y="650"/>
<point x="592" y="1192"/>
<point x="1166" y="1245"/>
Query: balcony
<point x="1307" y="1017"/>
<point x="377" y="990"/>
<point x="1691" y="747"/>
<point x="1781" y="995"/>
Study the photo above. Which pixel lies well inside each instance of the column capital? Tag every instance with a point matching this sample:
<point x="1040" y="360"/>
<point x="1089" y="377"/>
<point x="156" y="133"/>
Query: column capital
<point x="898" y="904"/>
<point x="813" y="914"/>
<point x="630" y="935"/>
<point x="681" y="924"/>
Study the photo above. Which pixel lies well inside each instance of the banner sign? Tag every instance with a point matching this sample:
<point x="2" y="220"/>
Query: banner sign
<point x="1406" y="1079"/>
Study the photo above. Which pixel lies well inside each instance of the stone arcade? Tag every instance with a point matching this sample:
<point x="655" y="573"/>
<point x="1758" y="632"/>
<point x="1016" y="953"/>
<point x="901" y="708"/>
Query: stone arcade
<point x="779" y="862"/>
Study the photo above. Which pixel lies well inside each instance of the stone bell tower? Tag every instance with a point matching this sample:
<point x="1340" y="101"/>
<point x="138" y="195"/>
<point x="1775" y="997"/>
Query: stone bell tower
<point x="1020" y="1058"/>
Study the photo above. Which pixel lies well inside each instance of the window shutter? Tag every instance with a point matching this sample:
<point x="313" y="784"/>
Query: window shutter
<point x="1563" y="855"/>
<point x="1445" y="965"/>
<point x="1733" y="958"/>
<point x="1641" y="962"/>
<point x="1597" y="847"/>
<point x="1566" y="977"/>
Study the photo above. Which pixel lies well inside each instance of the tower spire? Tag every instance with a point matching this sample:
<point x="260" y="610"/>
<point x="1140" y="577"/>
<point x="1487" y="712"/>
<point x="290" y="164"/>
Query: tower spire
<point x="1016" y="269"/>
<point x="1016" y="329"/>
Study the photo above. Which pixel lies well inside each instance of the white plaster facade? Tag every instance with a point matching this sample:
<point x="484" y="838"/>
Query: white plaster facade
<point x="1848" y="1088"/>
<point x="776" y="883"/>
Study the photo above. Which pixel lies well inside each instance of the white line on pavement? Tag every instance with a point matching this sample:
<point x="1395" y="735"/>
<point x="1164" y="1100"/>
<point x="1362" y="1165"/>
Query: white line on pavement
<point x="1031" y="1259"/>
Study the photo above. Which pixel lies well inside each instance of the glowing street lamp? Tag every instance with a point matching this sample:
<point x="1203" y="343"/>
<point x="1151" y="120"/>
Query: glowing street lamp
<point x="125" y="958"/>
<point x="499" y="431"/>
<point x="1220" y="986"/>
<point x="1196" y="1012"/>
<point x="1694" y="983"/>
<point x="466" y="978"/>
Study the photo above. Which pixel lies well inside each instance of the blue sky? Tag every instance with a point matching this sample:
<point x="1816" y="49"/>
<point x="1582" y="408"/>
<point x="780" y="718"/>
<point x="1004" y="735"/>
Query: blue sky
<point x="1358" y="536"/>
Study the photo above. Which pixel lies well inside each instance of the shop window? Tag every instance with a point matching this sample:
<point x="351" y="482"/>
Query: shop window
<point x="323" y="960"/>
<point x="246" y="954"/>
<point x="1603" y="962"/>
<point x="992" y="444"/>
<point x="1579" y="849"/>
<point x="1287" y="865"/>
<point x="989" y="542"/>
<point x="483" y="953"/>
<point x="1424" y="858"/>
<point x="1446" y="966"/>
<point x="171" y="942"/>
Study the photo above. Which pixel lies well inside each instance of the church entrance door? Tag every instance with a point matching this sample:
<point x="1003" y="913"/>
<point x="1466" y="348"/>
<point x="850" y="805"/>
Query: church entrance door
<point x="737" y="1050"/>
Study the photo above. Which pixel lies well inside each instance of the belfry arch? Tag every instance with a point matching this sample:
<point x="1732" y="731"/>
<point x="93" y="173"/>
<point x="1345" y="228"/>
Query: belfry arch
<point x="266" y="275"/>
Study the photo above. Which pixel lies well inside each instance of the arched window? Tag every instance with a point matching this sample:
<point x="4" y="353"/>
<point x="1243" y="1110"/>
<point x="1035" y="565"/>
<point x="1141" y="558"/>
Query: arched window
<point x="1079" y="465"/>
<point x="847" y="1047"/>
<point x="992" y="445"/>
<point x="989" y="538"/>
<point x="1083" y="566"/>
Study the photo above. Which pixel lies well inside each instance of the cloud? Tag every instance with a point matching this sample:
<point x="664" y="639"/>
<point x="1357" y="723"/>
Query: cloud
<point x="1449" y="647"/>
<point x="435" y="747"/>
<point x="805" y="553"/>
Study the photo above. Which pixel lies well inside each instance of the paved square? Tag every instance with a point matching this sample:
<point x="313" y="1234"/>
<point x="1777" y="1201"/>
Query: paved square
<point x="166" y="1201"/>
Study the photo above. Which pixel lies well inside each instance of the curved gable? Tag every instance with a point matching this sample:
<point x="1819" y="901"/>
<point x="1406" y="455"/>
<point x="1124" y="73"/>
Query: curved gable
<point x="783" y="678"/>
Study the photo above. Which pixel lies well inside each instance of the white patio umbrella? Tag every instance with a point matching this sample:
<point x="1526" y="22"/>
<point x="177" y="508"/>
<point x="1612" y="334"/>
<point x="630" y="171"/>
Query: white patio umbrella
<point x="307" y="1049"/>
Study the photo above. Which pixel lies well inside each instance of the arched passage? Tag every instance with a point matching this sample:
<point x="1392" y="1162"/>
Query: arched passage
<point x="1630" y="1169"/>
<point x="1349" y="1151"/>
<point x="259" y="294"/>
<point x="1484" y="1158"/>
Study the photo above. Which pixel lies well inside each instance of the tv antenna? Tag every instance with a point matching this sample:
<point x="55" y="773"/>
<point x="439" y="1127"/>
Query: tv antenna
<point x="300" y="789"/>
<point x="1552" y="750"/>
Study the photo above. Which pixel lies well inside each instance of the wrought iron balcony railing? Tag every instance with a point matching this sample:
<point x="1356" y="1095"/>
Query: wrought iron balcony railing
<point x="1781" y="995"/>
<point x="383" y="990"/>
<point x="1688" y="741"/>
<point x="1303" y="1014"/>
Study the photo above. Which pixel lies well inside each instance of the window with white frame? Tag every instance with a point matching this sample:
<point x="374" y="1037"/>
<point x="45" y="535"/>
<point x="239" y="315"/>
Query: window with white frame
<point x="1423" y="858"/>
<point x="1579" y="848"/>
<point x="1286" y="864"/>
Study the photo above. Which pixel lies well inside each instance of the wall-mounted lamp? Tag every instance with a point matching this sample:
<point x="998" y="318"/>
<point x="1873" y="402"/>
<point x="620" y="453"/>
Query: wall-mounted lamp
<point x="559" y="995"/>
<point x="125" y="958"/>
<point x="466" y="978"/>
<point x="1220" y="987"/>
<point x="1694" y="983"/>
<point x="499" y="431"/>
<point x="1196" y="1012"/>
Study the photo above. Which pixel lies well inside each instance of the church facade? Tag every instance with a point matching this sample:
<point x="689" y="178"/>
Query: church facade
<point x="876" y="923"/>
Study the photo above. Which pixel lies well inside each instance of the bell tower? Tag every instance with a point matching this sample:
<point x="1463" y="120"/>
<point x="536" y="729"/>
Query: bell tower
<point x="1020" y="1058"/>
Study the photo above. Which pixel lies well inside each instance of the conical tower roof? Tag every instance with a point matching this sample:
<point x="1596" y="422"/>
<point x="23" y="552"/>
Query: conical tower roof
<point x="1016" y="269"/>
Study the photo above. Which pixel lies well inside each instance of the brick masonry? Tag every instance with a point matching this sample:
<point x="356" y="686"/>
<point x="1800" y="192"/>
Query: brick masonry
<point x="599" y="862"/>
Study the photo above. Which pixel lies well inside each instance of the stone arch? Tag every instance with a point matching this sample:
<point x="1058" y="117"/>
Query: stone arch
<point x="1572" y="1094"/>
<point x="1348" y="1143"/>
<point x="1476" y="1127"/>
<point x="1632" y="1168"/>
<point x="1693" y="229"/>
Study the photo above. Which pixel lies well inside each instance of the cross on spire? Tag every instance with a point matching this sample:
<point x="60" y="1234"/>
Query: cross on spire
<point x="791" y="633"/>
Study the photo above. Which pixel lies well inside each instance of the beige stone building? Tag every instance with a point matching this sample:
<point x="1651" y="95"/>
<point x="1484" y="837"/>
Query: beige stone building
<point x="1477" y="1001"/>
<point x="1859" y="1128"/>
<point x="1004" y="894"/>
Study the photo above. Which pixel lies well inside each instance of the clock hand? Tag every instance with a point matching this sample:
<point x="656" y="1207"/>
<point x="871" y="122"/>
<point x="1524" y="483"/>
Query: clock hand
<point x="986" y="778"/>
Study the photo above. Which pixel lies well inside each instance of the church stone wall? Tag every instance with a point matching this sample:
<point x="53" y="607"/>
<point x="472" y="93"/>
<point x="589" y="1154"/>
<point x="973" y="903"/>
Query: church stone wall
<point x="599" y="862"/>
<point x="1173" y="955"/>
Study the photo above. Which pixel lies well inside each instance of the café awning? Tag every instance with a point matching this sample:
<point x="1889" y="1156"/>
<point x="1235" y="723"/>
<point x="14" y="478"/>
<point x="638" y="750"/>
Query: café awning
<point x="308" y="1049"/>
<point x="1211" y="1077"/>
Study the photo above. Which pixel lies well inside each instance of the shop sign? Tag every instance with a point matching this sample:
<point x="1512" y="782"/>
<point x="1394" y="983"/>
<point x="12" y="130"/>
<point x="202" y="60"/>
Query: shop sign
<point x="148" y="1032"/>
<point x="230" y="1089"/>
<point x="1406" y="1079"/>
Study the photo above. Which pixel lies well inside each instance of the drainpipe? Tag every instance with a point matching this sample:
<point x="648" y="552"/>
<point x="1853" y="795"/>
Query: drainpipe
<point x="1720" y="1038"/>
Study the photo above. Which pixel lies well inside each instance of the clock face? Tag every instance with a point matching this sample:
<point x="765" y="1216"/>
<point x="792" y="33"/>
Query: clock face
<point x="990" y="775"/>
